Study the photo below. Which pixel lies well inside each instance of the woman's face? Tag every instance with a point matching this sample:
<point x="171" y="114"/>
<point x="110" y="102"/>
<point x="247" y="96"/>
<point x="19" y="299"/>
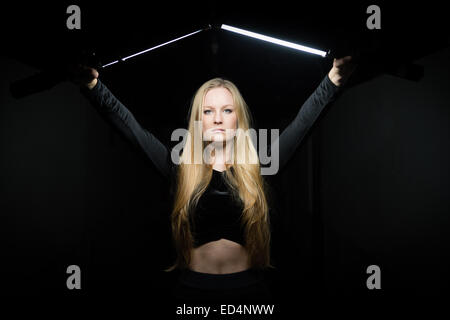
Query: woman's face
<point x="219" y="115"/>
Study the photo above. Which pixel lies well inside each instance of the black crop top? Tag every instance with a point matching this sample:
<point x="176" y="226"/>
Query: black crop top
<point x="217" y="214"/>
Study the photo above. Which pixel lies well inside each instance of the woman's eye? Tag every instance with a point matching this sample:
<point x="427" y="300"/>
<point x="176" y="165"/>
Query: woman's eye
<point x="206" y="111"/>
<point x="228" y="110"/>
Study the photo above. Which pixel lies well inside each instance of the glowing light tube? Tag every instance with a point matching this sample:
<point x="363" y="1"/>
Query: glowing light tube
<point x="150" y="49"/>
<point x="273" y="40"/>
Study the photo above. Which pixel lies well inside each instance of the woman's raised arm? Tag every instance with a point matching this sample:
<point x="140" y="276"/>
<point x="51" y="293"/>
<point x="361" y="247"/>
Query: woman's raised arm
<point x="110" y="108"/>
<point x="294" y="133"/>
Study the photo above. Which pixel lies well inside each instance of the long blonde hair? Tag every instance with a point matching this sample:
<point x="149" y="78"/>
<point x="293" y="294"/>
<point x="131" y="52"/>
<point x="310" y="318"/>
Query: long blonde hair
<point x="245" y="181"/>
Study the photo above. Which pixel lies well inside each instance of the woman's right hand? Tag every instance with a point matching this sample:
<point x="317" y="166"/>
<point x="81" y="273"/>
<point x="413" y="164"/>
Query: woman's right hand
<point x="83" y="75"/>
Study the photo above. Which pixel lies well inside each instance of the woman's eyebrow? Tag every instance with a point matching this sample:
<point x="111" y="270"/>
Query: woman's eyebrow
<point x="225" y="105"/>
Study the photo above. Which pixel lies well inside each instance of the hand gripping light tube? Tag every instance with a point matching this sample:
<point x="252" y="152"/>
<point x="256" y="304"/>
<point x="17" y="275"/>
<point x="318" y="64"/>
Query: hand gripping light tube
<point x="274" y="40"/>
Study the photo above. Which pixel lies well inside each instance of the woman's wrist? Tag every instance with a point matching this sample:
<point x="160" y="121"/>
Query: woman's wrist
<point x="335" y="77"/>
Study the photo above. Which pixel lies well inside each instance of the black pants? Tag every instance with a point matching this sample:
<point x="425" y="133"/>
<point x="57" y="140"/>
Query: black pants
<point x="243" y="286"/>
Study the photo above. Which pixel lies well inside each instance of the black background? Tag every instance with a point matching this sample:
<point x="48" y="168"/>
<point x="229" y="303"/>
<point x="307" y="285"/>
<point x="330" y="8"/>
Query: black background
<point x="369" y="184"/>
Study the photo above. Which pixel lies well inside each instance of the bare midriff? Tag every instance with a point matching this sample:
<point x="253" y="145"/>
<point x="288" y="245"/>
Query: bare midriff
<point x="219" y="257"/>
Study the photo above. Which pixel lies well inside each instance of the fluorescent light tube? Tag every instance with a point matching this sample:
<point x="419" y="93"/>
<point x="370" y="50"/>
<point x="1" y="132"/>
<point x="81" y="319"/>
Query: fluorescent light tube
<point x="153" y="48"/>
<point x="273" y="40"/>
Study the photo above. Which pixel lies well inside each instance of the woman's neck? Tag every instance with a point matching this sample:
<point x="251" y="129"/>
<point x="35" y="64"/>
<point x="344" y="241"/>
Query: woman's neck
<point x="221" y="156"/>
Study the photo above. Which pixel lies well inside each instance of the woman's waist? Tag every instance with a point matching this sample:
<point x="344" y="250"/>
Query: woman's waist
<point x="219" y="257"/>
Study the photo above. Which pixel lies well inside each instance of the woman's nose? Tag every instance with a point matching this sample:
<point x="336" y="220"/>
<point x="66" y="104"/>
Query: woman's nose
<point x="218" y="118"/>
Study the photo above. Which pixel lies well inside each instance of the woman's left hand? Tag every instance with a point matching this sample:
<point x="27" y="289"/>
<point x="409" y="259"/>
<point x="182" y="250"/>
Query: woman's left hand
<point x="342" y="70"/>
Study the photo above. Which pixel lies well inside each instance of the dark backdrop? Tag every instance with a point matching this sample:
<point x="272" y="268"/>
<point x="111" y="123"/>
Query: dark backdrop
<point x="368" y="186"/>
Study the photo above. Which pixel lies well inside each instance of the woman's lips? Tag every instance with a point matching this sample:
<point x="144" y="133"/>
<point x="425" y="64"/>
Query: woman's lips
<point x="218" y="130"/>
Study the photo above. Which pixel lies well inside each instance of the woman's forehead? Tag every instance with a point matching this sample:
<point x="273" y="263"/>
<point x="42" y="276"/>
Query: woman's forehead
<point x="218" y="97"/>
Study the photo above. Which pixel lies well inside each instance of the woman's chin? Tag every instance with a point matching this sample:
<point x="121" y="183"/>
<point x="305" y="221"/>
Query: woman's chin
<point x="218" y="137"/>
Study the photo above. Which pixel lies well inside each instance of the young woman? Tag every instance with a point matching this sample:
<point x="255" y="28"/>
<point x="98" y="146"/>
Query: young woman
<point x="220" y="217"/>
